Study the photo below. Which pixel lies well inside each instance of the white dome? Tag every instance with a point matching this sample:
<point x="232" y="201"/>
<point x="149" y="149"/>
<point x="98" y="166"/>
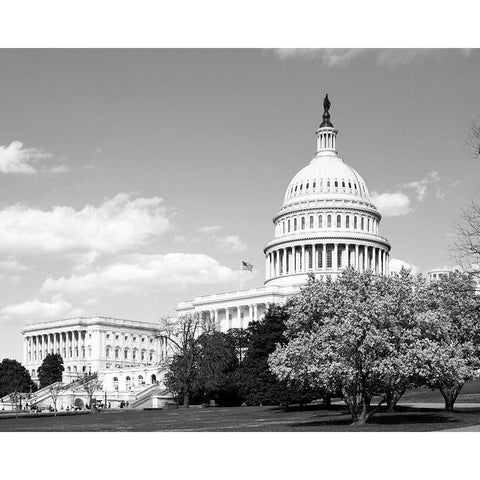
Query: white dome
<point x="326" y="175"/>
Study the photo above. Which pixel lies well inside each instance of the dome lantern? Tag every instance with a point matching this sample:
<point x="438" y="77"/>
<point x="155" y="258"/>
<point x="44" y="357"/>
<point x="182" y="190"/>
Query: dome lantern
<point x="326" y="133"/>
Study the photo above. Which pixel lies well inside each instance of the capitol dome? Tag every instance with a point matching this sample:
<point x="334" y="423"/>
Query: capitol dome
<point x="327" y="221"/>
<point x="326" y="175"/>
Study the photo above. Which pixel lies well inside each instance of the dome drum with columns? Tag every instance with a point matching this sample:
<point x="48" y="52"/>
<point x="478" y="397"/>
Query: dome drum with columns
<point x="327" y="221"/>
<point x="326" y="224"/>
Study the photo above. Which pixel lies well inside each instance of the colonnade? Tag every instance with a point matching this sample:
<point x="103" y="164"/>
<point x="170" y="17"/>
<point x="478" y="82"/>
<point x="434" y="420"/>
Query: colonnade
<point x="325" y="257"/>
<point x="237" y="316"/>
<point x="69" y="344"/>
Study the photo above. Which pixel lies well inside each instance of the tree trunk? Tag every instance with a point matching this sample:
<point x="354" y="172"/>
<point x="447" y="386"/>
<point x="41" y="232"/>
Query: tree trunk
<point x="359" y="407"/>
<point x="450" y="394"/>
<point x="186" y="400"/>
<point x="392" y="397"/>
<point x="327" y="401"/>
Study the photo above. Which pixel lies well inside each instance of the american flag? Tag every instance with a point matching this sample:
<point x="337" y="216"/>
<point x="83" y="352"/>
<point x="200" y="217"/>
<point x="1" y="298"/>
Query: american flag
<point x="247" y="266"/>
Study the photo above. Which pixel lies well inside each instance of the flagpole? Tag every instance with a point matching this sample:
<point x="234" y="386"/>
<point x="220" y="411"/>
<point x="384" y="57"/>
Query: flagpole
<point x="240" y="276"/>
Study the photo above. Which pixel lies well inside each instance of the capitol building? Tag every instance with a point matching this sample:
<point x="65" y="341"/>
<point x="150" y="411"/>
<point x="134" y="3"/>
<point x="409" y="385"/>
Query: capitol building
<point x="325" y="224"/>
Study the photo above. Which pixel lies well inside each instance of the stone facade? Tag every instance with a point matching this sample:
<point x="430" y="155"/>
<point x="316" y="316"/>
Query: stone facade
<point x="88" y="345"/>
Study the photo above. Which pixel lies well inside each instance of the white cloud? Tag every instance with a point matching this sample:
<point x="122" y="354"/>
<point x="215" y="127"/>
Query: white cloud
<point x="391" y="204"/>
<point x="391" y="57"/>
<point x="14" y="158"/>
<point x="141" y="274"/>
<point x="230" y="244"/>
<point x="38" y="310"/>
<point x="210" y="229"/>
<point x="421" y="186"/>
<point x="330" y="57"/>
<point x="119" y="223"/>
<point x="12" y="265"/>
<point x="59" y="169"/>
<point x="395" y="265"/>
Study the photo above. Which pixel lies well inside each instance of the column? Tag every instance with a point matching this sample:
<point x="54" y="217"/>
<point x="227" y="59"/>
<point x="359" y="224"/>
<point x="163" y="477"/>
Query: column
<point x="303" y="269"/>
<point x="25" y="350"/>
<point x="255" y="312"/>
<point x="267" y="270"/>
<point x="250" y="313"/>
<point x="335" y="257"/>
<point x="356" y="258"/>
<point x="217" y="326"/>
<point x="239" y="317"/>
<point x="284" y="261"/>
<point x="227" y="318"/>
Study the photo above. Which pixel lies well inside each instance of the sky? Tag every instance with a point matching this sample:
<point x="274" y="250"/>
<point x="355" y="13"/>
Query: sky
<point x="131" y="180"/>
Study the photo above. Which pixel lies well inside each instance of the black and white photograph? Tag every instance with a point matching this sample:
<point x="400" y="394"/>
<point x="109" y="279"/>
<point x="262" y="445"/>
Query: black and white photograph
<point x="239" y="238"/>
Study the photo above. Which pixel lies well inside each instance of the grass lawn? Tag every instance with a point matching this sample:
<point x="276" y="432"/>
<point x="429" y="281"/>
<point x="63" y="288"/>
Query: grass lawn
<point x="262" y="419"/>
<point x="243" y="419"/>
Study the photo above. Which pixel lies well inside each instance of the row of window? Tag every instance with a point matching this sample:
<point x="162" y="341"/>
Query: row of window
<point x="128" y="354"/>
<point x="126" y="337"/>
<point x="317" y="221"/>
<point x="311" y="186"/>
<point x="131" y="381"/>
<point x="64" y="353"/>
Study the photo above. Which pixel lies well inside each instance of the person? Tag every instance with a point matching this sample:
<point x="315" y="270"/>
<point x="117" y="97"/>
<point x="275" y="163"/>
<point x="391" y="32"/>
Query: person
<point x="109" y="405"/>
<point x="126" y="404"/>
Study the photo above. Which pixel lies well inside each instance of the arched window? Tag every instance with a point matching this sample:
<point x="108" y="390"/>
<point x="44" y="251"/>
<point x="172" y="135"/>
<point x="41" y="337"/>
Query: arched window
<point x="143" y="354"/>
<point x="301" y="186"/>
<point x="362" y="224"/>
<point x="336" y="184"/>
<point x="117" y="352"/>
<point x="128" y="382"/>
<point x="311" y="221"/>
<point x="320" y="221"/>
<point x="69" y="369"/>
<point x="151" y="355"/>
<point x="306" y="188"/>
<point x="107" y="351"/>
<point x="329" y="257"/>
<point x="153" y="378"/>
<point x="283" y="228"/>
<point x="339" y="221"/>
<point x="314" y="184"/>
<point x="329" y="221"/>
<point x="125" y="353"/>
<point x="288" y="225"/>
<point x="33" y="372"/>
<point x="347" y="221"/>
<point x="141" y="381"/>
<point x="328" y="183"/>
<point x="134" y="354"/>
<point x="355" y="222"/>
<point x="368" y="225"/>
<point x="115" y="383"/>
<point x="294" y="224"/>
<point x="75" y="368"/>
<point x="343" y="184"/>
<point x="303" y="223"/>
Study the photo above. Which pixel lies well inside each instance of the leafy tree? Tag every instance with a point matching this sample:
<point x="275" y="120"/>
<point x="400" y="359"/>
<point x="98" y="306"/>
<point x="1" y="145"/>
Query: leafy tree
<point x="51" y="370"/>
<point x="216" y="367"/>
<point x="403" y="299"/>
<point x="14" y="378"/>
<point x="451" y="331"/>
<point x="184" y="335"/>
<point x="257" y="383"/>
<point x="90" y="386"/>
<point x="340" y="338"/>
